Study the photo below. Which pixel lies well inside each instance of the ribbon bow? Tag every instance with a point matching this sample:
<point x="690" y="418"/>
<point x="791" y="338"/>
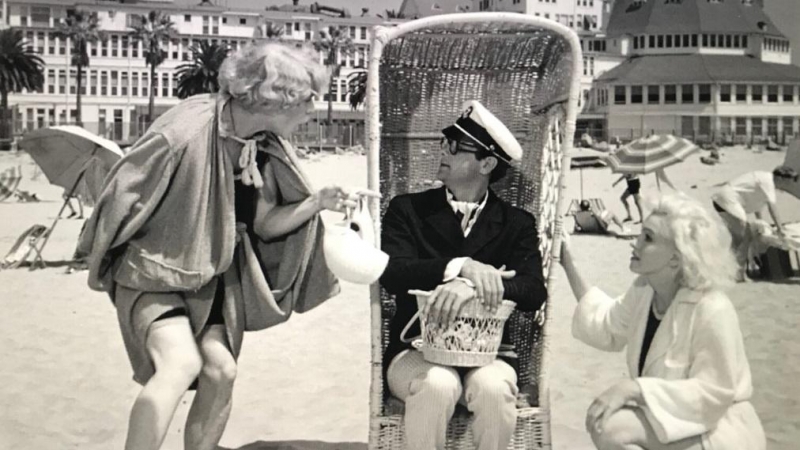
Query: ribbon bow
<point x="247" y="161"/>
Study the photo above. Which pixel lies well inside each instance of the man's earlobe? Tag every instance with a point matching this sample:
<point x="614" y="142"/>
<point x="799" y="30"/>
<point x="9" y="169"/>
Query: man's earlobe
<point x="488" y="164"/>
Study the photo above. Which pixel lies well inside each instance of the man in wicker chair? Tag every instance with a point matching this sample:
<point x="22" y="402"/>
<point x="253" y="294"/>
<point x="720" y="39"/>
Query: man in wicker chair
<point x="463" y="243"/>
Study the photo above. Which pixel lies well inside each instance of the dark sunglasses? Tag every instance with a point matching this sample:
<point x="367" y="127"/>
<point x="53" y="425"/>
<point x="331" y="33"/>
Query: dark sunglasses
<point x="454" y="148"/>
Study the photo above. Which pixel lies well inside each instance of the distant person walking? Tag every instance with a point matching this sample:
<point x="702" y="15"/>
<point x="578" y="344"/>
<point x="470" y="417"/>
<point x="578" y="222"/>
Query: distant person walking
<point x="632" y="190"/>
<point x="68" y="199"/>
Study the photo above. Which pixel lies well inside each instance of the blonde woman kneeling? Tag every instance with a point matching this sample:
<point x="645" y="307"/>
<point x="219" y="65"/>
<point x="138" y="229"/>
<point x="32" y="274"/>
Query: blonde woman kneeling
<point x="690" y="382"/>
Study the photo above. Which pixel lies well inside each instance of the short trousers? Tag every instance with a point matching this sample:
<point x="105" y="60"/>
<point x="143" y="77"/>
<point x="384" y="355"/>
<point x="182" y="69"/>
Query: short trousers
<point x="634" y="186"/>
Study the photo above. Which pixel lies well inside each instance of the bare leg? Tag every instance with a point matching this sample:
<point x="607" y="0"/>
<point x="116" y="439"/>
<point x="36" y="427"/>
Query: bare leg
<point x="171" y="345"/>
<point x="637" y="198"/>
<point x="212" y="404"/>
<point x="629" y="429"/>
<point x="80" y="207"/>
<point x="624" y="200"/>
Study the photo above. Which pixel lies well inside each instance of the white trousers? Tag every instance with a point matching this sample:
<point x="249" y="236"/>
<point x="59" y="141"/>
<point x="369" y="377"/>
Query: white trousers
<point x="431" y="392"/>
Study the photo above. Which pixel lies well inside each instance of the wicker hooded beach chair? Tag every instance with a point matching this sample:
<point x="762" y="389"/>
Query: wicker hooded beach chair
<point x="526" y="71"/>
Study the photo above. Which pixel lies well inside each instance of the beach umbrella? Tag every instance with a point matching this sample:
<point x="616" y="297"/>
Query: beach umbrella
<point x="64" y="153"/>
<point x="651" y="153"/>
<point x="68" y="155"/>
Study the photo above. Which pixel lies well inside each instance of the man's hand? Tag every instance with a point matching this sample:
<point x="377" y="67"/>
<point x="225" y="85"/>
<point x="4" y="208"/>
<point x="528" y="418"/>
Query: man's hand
<point x="446" y="301"/>
<point x="488" y="282"/>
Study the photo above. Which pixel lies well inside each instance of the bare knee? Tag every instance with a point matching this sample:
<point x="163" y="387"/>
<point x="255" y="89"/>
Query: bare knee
<point x="221" y="371"/>
<point x="180" y="367"/>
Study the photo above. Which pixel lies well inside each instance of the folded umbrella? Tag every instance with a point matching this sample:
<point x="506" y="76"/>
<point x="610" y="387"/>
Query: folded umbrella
<point x="651" y="153"/>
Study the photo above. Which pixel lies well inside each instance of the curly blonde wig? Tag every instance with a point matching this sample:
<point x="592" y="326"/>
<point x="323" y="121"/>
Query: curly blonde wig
<point x="273" y="75"/>
<point x="701" y="239"/>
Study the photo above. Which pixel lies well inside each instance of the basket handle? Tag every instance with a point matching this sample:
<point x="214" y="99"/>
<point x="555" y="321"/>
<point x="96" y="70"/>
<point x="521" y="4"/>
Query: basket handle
<point x="413" y="319"/>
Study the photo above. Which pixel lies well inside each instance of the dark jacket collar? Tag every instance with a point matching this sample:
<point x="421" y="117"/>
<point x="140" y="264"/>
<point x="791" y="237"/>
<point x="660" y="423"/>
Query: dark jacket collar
<point x="437" y="213"/>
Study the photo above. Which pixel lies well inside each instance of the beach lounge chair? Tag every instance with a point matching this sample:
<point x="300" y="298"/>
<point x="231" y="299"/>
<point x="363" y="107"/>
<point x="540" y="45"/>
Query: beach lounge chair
<point x="525" y="70"/>
<point x="27" y="246"/>
<point x="9" y="181"/>
<point x="575" y="205"/>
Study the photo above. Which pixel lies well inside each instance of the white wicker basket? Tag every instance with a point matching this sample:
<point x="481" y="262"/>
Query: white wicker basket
<point x="471" y="341"/>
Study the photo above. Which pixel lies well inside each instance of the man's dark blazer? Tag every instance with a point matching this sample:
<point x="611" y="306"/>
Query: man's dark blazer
<point x="421" y="234"/>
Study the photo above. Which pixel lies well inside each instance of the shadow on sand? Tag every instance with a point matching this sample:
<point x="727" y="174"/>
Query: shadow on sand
<point x="300" y="445"/>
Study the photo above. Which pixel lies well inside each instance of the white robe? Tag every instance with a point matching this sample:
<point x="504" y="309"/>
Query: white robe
<point x="696" y="378"/>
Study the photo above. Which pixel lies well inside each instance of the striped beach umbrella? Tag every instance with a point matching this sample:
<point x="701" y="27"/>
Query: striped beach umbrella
<point x="648" y="154"/>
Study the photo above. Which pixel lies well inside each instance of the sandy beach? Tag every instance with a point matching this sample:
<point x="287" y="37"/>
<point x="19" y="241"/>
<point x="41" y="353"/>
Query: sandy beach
<point x="65" y="382"/>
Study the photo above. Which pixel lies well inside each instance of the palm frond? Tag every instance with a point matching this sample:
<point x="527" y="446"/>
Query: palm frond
<point x="200" y="75"/>
<point x="20" y="67"/>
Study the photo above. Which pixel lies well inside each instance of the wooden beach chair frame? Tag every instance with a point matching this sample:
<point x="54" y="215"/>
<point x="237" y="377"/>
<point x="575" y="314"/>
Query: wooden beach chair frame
<point x="420" y="72"/>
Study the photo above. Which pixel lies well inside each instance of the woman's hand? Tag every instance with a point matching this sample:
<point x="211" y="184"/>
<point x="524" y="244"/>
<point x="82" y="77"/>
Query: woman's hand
<point x="336" y="198"/>
<point x="611" y="401"/>
<point x="566" y="250"/>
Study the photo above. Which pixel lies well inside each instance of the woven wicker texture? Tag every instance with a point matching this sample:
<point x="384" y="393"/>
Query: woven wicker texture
<point x="523" y="73"/>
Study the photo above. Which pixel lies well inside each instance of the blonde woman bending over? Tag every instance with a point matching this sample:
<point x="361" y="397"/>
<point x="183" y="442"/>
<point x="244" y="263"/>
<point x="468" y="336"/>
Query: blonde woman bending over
<point x="188" y="237"/>
<point x="689" y="385"/>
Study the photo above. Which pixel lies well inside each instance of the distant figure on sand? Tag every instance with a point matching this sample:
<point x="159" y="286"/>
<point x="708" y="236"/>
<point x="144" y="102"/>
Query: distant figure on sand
<point x="189" y="233"/>
<point x="749" y="194"/>
<point x="68" y="200"/>
<point x="463" y="243"/>
<point x="690" y="383"/>
<point x="632" y="190"/>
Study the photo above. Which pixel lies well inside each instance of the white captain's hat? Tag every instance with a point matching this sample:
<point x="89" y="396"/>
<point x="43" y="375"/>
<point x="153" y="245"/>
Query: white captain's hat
<point x="486" y="131"/>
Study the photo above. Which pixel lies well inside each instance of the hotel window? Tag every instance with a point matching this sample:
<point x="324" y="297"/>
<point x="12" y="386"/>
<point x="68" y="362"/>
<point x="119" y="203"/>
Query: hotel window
<point x="619" y="95"/>
<point x="635" y="43"/>
<point x="788" y="93"/>
<point x="40" y="16"/>
<point x="205" y="24"/>
<point x="660" y="41"/>
<point x="772" y="93"/>
<point x="670" y="94"/>
<point x="145" y="84"/>
<point x="772" y="126"/>
<point x="757" y="126"/>
<point x="62" y="46"/>
<point x="135" y="84"/>
<point x="72" y="82"/>
<point x="93" y="89"/>
<point x="652" y="41"/>
<point x="51" y="81"/>
<point x="758" y="93"/>
<point x="741" y="126"/>
<point x="736" y="41"/>
<point x="40" y="43"/>
<point x="669" y="41"/>
<point x="124" y="84"/>
<point x="174" y="45"/>
<point x="725" y="93"/>
<point x="114" y="82"/>
<point x="164" y="85"/>
<point x="187" y="17"/>
<point x="686" y="38"/>
<point x="725" y="126"/>
<point x="135" y="49"/>
<point x="125" y="45"/>
<point x="705" y="93"/>
<point x="62" y="81"/>
<point x="705" y="40"/>
<point x="103" y="83"/>
<point x="363" y="32"/>
<point x="653" y="95"/>
<point x="636" y="94"/>
<point x="694" y="40"/>
<point x="788" y="124"/>
<point x="687" y="93"/>
<point x="741" y="93"/>
<point x="215" y="25"/>
<point x="104" y="48"/>
<point x="224" y="20"/>
<point x="243" y="21"/>
<point x="712" y="41"/>
<point x="185" y="50"/>
<point x="114" y="46"/>
<point x="744" y="41"/>
<point x="175" y="85"/>
<point x="728" y="41"/>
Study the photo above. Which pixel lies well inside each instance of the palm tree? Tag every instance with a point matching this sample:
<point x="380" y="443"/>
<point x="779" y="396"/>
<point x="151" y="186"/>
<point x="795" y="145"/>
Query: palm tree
<point x="357" y="83"/>
<point x="153" y="30"/>
<point x="20" y="69"/>
<point x="392" y="14"/>
<point x="331" y="43"/>
<point x="268" y="30"/>
<point x="200" y="75"/>
<point x="81" y="27"/>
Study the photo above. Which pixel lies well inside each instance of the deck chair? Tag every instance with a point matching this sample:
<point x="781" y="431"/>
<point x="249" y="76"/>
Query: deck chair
<point x="27" y="246"/>
<point x="575" y="205"/>
<point x="9" y="182"/>
<point x="526" y="71"/>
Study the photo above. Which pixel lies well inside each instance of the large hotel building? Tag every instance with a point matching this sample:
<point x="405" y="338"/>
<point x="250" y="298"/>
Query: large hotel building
<point x="707" y="69"/>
